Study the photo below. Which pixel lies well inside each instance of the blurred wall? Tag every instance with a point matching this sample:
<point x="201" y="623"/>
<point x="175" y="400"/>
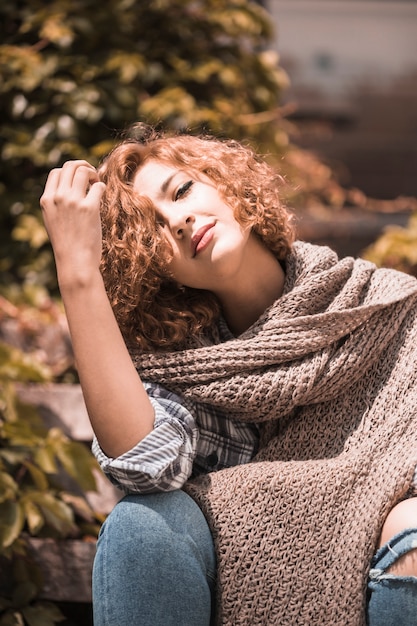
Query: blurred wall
<point x="353" y="71"/>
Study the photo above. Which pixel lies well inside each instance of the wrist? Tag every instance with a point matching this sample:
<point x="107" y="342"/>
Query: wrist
<point x="74" y="279"/>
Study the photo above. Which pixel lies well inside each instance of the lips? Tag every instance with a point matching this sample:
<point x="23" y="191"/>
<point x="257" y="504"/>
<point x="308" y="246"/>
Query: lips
<point x="201" y="238"/>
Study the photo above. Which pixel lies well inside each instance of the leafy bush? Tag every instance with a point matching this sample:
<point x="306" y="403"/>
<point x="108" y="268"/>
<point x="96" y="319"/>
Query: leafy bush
<point x="37" y="466"/>
<point x="32" y="499"/>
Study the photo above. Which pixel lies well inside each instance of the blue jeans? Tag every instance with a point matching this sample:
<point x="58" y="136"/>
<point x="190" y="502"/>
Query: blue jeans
<point x="392" y="598"/>
<point x="155" y="564"/>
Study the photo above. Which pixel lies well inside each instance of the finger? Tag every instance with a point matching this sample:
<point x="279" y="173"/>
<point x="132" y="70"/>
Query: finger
<point x="63" y="176"/>
<point x="83" y="178"/>
<point x="71" y="168"/>
<point x="96" y="192"/>
<point x="50" y="188"/>
<point x="74" y="184"/>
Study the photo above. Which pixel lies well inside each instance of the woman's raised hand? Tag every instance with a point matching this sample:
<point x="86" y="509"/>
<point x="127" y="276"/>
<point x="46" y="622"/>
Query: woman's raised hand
<point x="71" y="213"/>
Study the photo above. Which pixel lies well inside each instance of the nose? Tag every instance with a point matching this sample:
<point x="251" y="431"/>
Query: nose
<point x="179" y="223"/>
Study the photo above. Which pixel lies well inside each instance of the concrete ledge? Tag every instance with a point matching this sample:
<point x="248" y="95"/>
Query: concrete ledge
<point x="61" y="405"/>
<point x="66" y="566"/>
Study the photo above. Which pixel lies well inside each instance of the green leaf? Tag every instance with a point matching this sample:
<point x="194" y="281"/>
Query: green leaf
<point x="34" y="518"/>
<point x="12" y="456"/>
<point x="38" y="477"/>
<point x="12" y="618"/>
<point x="80" y="506"/>
<point x="21" y="434"/>
<point x="57" y="514"/>
<point x="8" y="487"/>
<point x="43" y="614"/>
<point x="79" y="462"/>
<point x="11" y="523"/>
<point x="17" y="365"/>
<point x="8" y="393"/>
<point x="45" y="458"/>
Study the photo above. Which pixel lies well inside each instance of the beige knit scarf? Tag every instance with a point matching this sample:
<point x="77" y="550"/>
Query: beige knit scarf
<point x="330" y="373"/>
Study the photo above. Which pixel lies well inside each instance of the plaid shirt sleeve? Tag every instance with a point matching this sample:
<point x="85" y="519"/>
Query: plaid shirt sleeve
<point x="163" y="460"/>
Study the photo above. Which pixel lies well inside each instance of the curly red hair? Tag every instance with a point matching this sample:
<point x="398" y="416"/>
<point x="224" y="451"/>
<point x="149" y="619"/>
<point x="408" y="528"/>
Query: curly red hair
<point x="153" y="311"/>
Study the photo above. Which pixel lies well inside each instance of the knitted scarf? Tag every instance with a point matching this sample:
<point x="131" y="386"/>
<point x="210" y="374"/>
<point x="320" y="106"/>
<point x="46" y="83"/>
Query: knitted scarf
<point x="329" y="372"/>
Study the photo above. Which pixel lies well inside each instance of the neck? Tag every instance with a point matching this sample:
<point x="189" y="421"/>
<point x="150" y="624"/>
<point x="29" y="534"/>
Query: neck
<point x="259" y="284"/>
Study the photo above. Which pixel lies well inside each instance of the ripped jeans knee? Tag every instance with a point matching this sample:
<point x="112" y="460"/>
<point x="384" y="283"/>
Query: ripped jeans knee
<point x="392" y="599"/>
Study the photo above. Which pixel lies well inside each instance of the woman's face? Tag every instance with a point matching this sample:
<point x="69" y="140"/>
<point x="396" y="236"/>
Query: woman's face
<point x="208" y="244"/>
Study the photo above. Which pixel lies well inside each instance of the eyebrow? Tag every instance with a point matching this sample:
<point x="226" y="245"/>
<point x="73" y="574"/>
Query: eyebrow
<point x="167" y="182"/>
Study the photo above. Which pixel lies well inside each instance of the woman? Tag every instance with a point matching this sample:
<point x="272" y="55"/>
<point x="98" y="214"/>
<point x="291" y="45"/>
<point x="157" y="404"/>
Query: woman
<point x="278" y="395"/>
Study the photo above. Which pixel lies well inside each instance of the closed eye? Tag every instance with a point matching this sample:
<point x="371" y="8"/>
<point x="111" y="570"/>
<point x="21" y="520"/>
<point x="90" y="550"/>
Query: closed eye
<point x="183" y="190"/>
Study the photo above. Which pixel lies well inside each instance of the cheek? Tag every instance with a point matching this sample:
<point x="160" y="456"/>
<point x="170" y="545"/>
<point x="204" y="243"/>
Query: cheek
<point x="165" y="246"/>
<point x="175" y="267"/>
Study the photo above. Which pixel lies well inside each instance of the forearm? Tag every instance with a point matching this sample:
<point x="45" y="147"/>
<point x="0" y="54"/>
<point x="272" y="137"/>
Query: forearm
<point x="119" y="408"/>
<point x="118" y="405"/>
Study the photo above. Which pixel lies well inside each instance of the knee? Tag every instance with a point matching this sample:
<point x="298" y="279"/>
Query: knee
<point x="139" y="522"/>
<point x="401" y="517"/>
<point x="158" y="537"/>
<point x="168" y="524"/>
